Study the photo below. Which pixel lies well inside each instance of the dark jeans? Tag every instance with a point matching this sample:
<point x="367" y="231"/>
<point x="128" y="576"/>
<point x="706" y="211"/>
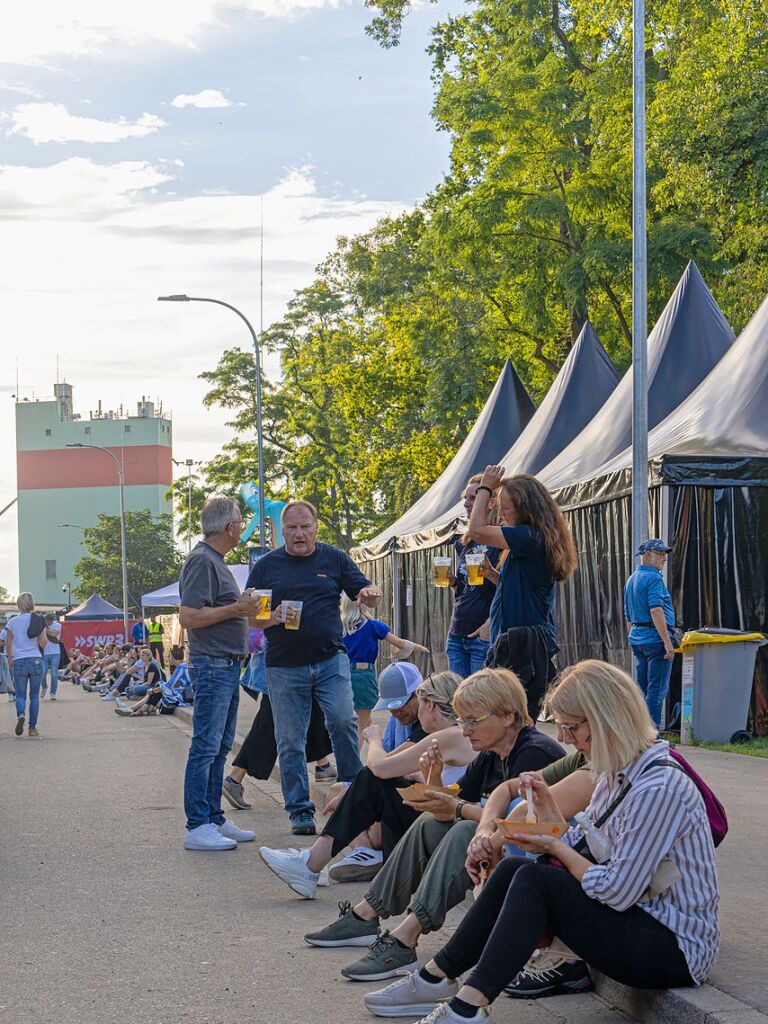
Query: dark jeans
<point x="370" y="799"/>
<point x="258" y="753"/>
<point x="216" y="682"/>
<point x="28" y="672"/>
<point x="156" y="646"/>
<point x="291" y="691"/>
<point x="653" y="675"/>
<point x="466" y="655"/>
<point x="523" y="900"/>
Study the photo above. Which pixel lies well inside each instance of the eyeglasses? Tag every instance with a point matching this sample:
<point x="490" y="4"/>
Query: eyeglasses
<point x="471" y="723"/>
<point x="569" y="731"/>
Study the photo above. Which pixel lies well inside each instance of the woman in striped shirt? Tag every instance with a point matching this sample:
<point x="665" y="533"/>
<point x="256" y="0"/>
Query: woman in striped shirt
<point x="646" y="914"/>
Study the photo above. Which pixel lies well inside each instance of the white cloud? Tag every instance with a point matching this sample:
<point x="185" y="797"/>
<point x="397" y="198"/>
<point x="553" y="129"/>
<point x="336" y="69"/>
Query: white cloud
<point x="206" y="99"/>
<point x="43" y="28"/>
<point x="88" y="247"/>
<point x="52" y="122"/>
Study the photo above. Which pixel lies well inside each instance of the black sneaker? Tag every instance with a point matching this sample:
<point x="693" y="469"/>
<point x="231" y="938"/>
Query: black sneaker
<point x="19" y="725"/>
<point x="325" y="772"/>
<point x="568" y="978"/>
<point x="303" y="824"/>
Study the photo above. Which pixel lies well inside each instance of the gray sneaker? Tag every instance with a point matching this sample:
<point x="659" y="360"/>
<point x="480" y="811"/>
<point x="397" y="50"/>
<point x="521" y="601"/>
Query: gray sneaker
<point x="233" y="791"/>
<point x="409" y="997"/>
<point x="346" y="930"/>
<point x="385" y="959"/>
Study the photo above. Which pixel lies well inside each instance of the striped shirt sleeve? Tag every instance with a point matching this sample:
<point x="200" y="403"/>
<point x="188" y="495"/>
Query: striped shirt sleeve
<point x="646" y="827"/>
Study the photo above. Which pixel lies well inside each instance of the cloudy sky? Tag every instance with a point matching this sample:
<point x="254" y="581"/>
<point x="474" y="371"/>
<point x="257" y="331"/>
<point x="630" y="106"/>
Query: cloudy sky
<point x="136" y="141"/>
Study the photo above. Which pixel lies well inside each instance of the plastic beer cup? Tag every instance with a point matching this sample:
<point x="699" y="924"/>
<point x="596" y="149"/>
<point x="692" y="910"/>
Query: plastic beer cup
<point x="475" y="576"/>
<point x="296" y="606"/>
<point x="265" y="604"/>
<point x="442" y="571"/>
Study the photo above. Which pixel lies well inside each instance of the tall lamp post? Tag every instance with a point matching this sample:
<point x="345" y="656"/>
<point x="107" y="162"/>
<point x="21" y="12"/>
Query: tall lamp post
<point x="639" y="286"/>
<point x="189" y="463"/>
<point x="67" y="588"/>
<point x="123" y="545"/>
<point x="259" y="434"/>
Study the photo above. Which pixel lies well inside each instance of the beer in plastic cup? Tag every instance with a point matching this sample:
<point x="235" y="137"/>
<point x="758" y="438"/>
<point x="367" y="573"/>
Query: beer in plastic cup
<point x="297" y="606"/>
<point x="442" y="571"/>
<point x="475" y="576"/>
<point x="265" y="604"/>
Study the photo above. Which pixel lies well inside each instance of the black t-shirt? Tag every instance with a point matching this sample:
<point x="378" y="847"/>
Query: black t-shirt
<point x="472" y="605"/>
<point x="533" y="750"/>
<point x="153" y="674"/>
<point x="318" y="580"/>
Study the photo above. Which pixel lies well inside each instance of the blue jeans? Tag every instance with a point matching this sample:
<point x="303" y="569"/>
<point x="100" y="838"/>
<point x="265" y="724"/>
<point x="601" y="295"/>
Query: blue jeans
<point x="28" y="672"/>
<point x="290" y="693"/>
<point x="51" y="664"/>
<point x="217" y="691"/>
<point x="465" y="655"/>
<point x="653" y="674"/>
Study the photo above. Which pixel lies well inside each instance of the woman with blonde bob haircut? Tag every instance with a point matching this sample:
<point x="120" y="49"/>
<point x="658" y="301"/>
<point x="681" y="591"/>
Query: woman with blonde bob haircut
<point x="495" y="691"/>
<point x="638" y="898"/>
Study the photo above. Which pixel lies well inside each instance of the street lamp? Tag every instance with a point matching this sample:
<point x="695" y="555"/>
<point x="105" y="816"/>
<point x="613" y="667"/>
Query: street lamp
<point x="67" y="589"/>
<point x="189" y="463"/>
<point x="259" y="435"/>
<point x="70" y="526"/>
<point x="123" y="544"/>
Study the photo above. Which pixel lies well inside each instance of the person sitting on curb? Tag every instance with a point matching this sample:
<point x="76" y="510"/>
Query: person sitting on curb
<point x="398" y="686"/>
<point x="373" y="797"/>
<point x="177" y="692"/>
<point x="635" y="895"/>
<point x="425" y="874"/>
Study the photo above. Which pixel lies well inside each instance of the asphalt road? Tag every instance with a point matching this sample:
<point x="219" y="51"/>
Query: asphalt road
<point x="106" y="919"/>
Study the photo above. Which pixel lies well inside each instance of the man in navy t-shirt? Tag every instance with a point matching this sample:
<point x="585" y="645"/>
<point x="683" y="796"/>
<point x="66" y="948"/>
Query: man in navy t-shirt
<point x="305" y="654"/>
<point x="649" y="614"/>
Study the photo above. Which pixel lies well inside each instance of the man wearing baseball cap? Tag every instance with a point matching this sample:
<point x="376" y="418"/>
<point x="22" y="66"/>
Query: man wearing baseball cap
<point x="650" y="616"/>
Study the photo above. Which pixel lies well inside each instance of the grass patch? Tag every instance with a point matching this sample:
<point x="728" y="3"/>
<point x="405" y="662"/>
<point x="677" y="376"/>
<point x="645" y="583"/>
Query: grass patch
<point x="758" y="747"/>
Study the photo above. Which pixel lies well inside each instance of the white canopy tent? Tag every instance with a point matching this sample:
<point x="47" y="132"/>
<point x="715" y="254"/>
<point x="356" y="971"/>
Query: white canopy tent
<point x="169" y="596"/>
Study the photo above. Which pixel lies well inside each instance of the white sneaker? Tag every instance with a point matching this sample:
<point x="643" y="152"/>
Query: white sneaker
<point x="410" y="996"/>
<point x="443" y="1014"/>
<point x="109" y="697"/>
<point x="291" y="866"/>
<point x="360" y="865"/>
<point x="207" y="837"/>
<point x="231" y="831"/>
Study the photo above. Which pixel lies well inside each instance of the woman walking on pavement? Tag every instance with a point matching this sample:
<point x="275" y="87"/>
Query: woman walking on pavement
<point x="25" y="660"/>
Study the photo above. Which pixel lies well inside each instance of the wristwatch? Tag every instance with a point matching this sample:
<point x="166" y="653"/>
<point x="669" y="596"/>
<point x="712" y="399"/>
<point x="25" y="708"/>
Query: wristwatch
<point x="457" y="813"/>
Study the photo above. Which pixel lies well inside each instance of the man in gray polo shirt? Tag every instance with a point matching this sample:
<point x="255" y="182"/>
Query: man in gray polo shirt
<point x="215" y="615"/>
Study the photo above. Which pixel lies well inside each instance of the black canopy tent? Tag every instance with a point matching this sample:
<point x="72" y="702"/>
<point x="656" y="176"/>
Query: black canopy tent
<point x="504" y="415"/>
<point x="690" y="337"/>
<point x="95" y="609"/>
<point x="585" y="380"/>
<point x="708" y="476"/>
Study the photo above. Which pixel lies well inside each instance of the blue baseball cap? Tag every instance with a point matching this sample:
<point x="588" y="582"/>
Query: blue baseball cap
<point x="654" y="545"/>
<point x="397" y="684"/>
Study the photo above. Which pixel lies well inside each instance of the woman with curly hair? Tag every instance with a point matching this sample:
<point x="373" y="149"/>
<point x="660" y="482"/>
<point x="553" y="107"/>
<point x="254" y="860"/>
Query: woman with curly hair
<point x="537" y="551"/>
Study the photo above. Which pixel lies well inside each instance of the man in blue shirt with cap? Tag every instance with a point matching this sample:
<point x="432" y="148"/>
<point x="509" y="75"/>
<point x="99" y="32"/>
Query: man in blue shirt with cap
<point x="650" y="616"/>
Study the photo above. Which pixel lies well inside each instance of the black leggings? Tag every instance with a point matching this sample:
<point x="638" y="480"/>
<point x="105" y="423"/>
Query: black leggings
<point x="523" y="900"/>
<point x="258" y="753"/>
<point x="370" y="799"/>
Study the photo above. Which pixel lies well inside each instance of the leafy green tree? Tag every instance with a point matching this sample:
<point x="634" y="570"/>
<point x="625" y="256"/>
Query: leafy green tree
<point x="153" y="559"/>
<point x="5" y="595"/>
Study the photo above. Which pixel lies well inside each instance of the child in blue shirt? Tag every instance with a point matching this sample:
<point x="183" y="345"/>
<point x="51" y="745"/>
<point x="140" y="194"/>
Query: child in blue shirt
<point x="362" y="635"/>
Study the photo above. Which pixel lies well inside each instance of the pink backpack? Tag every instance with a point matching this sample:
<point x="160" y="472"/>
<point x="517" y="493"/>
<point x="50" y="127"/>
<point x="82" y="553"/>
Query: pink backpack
<point x="718" y="819"/>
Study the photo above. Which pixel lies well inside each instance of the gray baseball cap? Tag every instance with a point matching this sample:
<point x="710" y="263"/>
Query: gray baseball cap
<point x="397" y="684"/>
<point x="654" y="545"/>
